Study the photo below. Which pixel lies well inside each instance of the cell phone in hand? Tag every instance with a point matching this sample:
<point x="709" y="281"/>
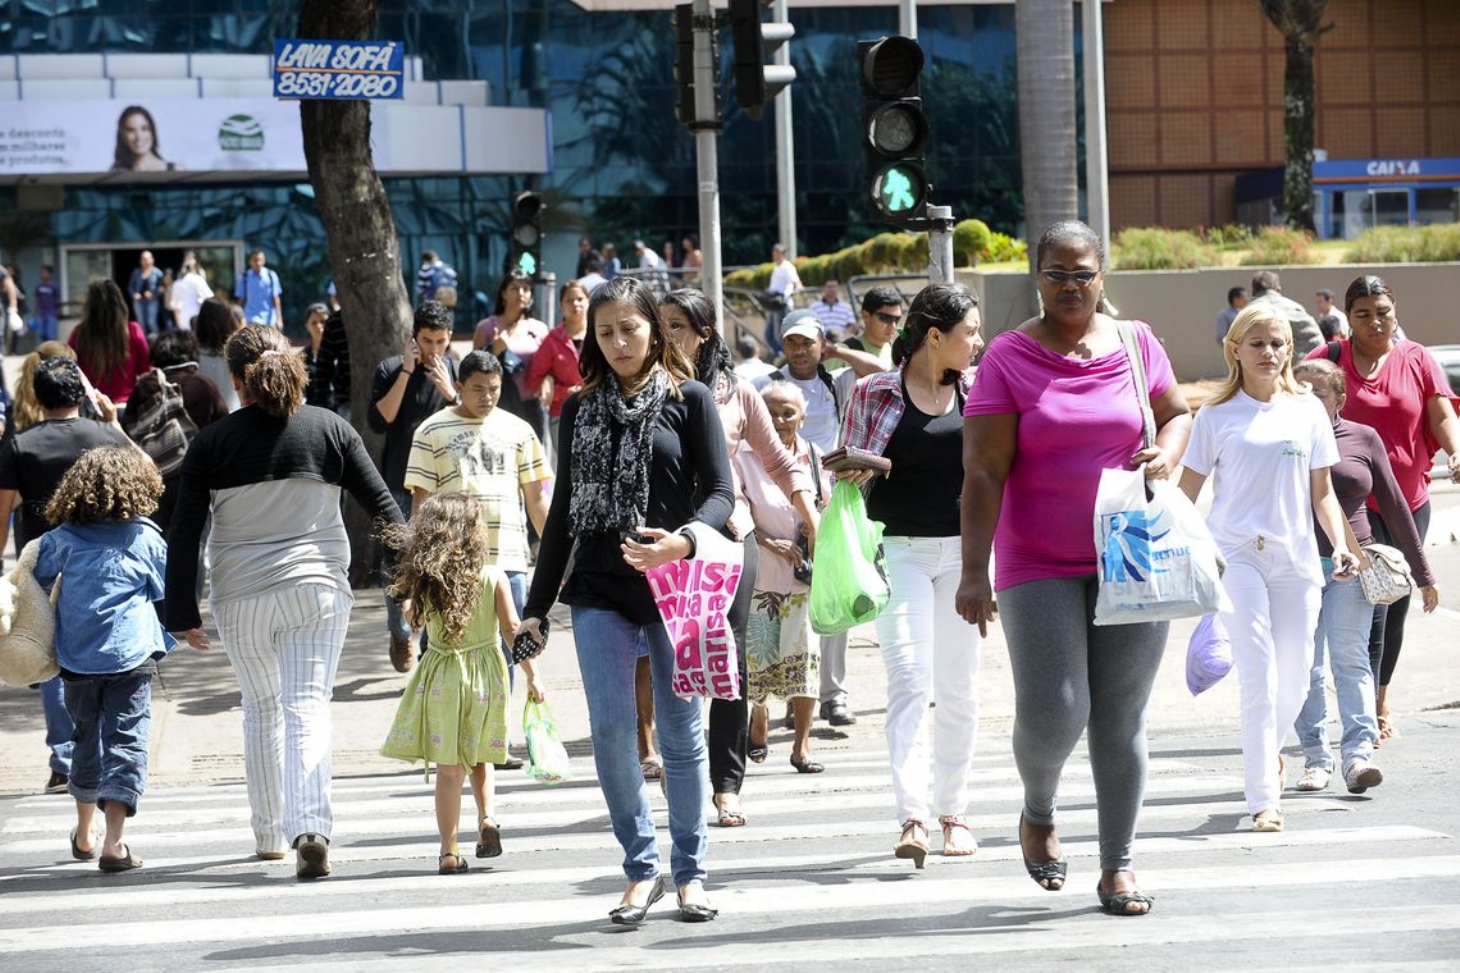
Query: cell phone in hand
<point x="527" y="646"/>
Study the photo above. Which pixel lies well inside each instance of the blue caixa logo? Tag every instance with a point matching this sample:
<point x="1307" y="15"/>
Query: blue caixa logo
<point x="1132" y="550"/>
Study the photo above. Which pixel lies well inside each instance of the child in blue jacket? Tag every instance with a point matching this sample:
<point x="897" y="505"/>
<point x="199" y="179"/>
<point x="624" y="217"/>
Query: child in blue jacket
<point x="110" y="561"/>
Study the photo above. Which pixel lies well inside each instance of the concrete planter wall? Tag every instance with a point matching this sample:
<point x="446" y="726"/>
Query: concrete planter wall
<point x="1181" y="305"/>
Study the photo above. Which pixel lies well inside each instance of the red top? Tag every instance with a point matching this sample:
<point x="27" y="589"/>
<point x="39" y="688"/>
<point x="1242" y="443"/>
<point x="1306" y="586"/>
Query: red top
<point x="556" y="356"/>
<point x="118" y="385"/>
<point x="1395" y="402"/>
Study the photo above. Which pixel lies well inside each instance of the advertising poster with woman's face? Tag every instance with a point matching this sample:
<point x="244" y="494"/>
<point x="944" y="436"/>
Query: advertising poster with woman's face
<point x="125" y="140"/>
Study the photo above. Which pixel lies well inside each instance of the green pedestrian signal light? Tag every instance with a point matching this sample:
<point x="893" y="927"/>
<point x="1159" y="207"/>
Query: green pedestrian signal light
<point x="526" y="241"/>
<point x="896" y="128"/>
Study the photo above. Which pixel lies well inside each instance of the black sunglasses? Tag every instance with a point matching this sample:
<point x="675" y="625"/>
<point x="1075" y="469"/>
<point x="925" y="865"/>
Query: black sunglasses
<point x="886" y="318"/>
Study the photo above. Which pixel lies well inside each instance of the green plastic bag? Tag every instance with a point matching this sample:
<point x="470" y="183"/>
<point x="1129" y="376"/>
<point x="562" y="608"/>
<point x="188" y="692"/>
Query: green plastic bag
<point x="547" y="758"/>
<point x="849" y="583"/>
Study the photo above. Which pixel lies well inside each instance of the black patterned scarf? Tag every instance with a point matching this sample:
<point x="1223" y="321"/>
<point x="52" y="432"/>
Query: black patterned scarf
<point x="611" y="485"/>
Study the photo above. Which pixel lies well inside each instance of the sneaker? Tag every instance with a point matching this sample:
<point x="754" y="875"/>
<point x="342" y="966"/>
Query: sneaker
<point x="1314" y="779"/>
<point x="1361" y="775"/>
<point x="836" y="713"/>
<point x="400" y="654"/>
<point x="57" y="783"/>
<point x="314" y="856"/>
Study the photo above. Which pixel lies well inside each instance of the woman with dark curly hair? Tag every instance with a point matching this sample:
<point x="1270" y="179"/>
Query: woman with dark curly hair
<point x="453" y="712"/>
<point x="111" y="348"/>
<point x="108" y="637"/>
<point x="272" y="474"/>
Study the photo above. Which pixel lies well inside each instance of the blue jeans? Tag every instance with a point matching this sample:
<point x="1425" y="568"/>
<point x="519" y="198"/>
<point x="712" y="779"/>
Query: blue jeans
<point x="113" y="714"/>
<point x="1343" y="625"/>
<point x="44" y="326"/>
<point x="59" y="728"/>
<point x="394" y="618"/>
<point x="147" y="316"/>
<point x="608" y="650"/>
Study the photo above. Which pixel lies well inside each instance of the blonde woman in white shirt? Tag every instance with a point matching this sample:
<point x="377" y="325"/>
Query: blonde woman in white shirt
<point x="1268" y="445"/>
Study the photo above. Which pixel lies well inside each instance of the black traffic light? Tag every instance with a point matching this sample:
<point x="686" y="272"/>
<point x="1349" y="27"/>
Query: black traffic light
<point x="526" y="254"/>
<point x="684" y="69"/>
<point x="757" y="82"/>
<point x="895" y="126"/>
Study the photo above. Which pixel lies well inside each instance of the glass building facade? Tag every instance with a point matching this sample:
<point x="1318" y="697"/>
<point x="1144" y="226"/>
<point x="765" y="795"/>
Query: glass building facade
<point x="622" y="167"/>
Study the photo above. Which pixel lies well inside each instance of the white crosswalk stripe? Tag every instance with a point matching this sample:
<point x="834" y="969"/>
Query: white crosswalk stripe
<point x="814" y="858"/>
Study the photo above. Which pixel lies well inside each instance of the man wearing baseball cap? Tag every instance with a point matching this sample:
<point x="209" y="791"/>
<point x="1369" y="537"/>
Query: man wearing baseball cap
<point x="804" y="341"/>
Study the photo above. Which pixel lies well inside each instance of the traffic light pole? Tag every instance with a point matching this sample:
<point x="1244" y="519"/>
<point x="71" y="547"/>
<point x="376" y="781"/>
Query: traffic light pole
<point x="940" y="244"/>
<point x="706" y="128"/>
<point x="785" y="148"/>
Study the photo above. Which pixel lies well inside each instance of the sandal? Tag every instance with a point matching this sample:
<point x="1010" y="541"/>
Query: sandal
<point x="652" y="767"/>
<point x="1045" y="874"/>
<point x="78" y="854"/>
<point x="1267" y="821"/>
<point x="126" y="863"/>
<point x="1119" y="903"/>
<point x="910" y="845"/>
<point x="729" y="818"/>
<point x="456" y="868"/>
<point x="758" y="752"/>
<point x="807" y="766"/>
<point x="489" y="840"/>
<point x="950" y="850"/>
<point x="1387" y="729"/>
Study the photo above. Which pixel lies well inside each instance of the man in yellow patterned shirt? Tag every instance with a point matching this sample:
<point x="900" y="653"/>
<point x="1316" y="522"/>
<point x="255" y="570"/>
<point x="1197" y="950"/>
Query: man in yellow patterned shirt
<point x="490" y="454"/>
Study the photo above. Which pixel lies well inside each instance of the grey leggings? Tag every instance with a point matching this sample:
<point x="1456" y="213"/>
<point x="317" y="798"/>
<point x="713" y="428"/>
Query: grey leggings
<point x="1069" y="674"/>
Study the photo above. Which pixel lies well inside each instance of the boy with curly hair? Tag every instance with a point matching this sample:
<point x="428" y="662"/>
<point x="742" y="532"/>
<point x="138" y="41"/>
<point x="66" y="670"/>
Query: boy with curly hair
<point x="110" y="561"/>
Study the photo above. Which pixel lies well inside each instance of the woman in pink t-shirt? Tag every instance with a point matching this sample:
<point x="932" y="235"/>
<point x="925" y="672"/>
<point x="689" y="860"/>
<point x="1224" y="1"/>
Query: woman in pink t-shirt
<point x="1398" y="388"/>
<point x="512" y="328"/>
<point x="1054" y="405"/>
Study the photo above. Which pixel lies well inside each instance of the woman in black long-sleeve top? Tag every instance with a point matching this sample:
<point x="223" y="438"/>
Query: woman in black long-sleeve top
<point x="271" y="474"/>
<point x="643" y="456"/>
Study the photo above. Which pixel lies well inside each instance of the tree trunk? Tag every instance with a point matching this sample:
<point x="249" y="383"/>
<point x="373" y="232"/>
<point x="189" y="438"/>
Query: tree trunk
<point x="1045" y="32"/>
<point x="1301" y="24"/>
<point x="363" y="249"/>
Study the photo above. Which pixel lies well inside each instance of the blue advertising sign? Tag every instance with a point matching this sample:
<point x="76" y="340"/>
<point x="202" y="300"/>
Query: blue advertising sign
<point x="1386" y="170"/>
<point x="339" y="70"/>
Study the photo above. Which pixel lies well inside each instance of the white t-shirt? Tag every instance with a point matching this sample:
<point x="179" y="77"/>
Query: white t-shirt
<point x="188" y="294"/>
<point x="785" y="280"/>
<point x="821" y="421"/>
<point x="1260" y="455"/>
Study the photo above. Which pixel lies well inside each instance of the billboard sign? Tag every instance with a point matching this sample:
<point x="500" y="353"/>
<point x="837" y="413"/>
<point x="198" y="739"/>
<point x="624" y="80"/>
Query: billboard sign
<point x="339" y="70"/>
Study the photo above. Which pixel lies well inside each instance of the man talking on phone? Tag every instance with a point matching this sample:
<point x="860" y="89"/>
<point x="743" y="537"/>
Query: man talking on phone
<point x="408" y="388"/>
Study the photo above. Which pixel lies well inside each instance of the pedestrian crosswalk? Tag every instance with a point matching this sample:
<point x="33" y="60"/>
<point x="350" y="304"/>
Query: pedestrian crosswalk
<point x="810" y="878"/>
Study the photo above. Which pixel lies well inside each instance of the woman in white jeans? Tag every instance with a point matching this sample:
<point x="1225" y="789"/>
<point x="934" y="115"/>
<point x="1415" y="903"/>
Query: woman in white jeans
<point x="913" y="416"/>
<point x="1269" y="446"/>
<point x="271" y="474"/>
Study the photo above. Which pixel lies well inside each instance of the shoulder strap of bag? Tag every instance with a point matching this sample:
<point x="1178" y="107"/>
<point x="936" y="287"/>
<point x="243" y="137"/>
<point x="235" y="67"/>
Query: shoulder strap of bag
<point x="815" y="470"/>
<point x="1334" y="351"/>
<point x="1138" y="371"/>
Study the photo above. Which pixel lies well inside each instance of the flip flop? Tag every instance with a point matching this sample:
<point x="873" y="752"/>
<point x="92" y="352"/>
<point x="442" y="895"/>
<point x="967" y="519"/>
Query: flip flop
<point x="78" y="854"/>
<point x="489" y="841"/>
<point x="729" y="818"/>
<point x="125" y="864"/>
<point x="1116" y="903"/>
<point x="652" y="768"/>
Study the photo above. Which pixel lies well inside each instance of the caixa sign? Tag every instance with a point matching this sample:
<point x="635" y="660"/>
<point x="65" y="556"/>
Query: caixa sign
<point x="1393" y="167"/>
<point x="349" y="70"/>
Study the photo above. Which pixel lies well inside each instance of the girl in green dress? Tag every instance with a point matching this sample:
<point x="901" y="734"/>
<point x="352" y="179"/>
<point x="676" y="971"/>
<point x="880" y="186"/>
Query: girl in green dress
<point x="454" y="710"/>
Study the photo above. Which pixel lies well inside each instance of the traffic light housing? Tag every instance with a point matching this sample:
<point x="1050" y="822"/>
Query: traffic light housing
<point x="896" y="128"/>
<point x="684" y="69"/>
<point x="526" y="249"/>
<point x="757" y="82"/>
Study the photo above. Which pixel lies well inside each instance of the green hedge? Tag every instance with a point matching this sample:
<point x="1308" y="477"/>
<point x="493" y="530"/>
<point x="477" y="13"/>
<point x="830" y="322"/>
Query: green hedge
<point x="1407" y="244"/>
<point x="1279" y="246"/>
<point x="1156" y="248"/>
<point x="891" y="253"/>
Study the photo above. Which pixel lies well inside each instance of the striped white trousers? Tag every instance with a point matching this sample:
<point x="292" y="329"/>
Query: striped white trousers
<point x="285" y="648"/>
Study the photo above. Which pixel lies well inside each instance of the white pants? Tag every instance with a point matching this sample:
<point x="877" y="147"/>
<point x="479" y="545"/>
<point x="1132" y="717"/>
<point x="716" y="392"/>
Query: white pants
<point x="1275" y="611"/>
<point x="285" y="648"/>
<point x="928" y="651"/>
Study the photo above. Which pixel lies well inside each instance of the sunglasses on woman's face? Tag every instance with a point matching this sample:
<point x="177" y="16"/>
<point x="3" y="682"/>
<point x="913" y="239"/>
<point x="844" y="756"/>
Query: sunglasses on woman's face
<point x="1082" y="277"/>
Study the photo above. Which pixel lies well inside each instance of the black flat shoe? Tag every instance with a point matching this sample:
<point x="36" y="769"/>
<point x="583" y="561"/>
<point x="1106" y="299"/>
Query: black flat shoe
<point x="695" y="911"/>
<point x="1043" y="872"/>
<point x="632" y="915"/>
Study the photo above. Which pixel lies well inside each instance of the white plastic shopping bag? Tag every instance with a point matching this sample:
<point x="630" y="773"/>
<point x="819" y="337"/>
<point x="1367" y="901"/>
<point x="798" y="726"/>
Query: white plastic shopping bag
<point x="1156" y="558"/>
<point x="1208" y="655"/>
<point x="693" y="597"/>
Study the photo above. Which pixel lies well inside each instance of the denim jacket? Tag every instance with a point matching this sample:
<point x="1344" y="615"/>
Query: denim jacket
<point x="111" y="573"/>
